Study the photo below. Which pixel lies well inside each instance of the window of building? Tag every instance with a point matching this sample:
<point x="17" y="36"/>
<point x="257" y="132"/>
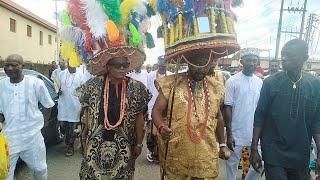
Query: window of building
<point x="29" y="31"/>
<point x="12" y="25"/>
<point x="49" y="39"/>
<point x="41" y="38"/>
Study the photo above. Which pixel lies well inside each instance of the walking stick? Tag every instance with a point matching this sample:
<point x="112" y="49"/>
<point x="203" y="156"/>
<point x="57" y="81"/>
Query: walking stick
<point x="170" y="117"/>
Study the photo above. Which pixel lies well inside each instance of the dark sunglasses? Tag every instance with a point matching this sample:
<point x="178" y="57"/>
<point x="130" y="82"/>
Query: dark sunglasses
<point x="119" y="65"/>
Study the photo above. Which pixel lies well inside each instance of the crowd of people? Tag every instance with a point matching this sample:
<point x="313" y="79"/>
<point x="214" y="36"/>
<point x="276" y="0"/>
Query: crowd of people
<point x="192" y="119"/>
<point x="276" y="117"/>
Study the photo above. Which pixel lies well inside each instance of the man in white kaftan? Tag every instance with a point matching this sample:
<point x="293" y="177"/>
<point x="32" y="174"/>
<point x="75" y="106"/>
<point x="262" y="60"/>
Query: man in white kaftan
<point x="241" y="99"/>
<point x="69" y="106"/>
<point x="21" y="118"/>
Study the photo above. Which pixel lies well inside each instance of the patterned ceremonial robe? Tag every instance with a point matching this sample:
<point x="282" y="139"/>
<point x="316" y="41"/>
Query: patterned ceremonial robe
<point x="110" y="158"/>
<point x="186" y="158"/>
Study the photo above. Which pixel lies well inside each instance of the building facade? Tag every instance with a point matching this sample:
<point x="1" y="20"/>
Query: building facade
<point x="24" y="33"/>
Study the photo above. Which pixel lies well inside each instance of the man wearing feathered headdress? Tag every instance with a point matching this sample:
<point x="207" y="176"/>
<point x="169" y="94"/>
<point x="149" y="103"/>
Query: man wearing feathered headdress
<point x="187" y="111"/>
<point x="108" y="35"/>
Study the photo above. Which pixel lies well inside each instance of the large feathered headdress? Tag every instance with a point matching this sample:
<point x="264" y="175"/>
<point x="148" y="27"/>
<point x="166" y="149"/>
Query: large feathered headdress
<point x="95" y="31"/>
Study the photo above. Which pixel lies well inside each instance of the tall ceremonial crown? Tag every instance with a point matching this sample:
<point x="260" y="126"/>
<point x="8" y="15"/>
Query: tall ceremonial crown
<point x="203" y="25"/>
<point x="95" y="31"/>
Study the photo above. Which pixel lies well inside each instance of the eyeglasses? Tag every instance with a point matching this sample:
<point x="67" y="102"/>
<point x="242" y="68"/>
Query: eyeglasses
<point x="119" y="65"/>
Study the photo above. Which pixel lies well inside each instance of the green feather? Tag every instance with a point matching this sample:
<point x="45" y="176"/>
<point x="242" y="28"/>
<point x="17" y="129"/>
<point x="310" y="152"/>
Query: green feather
<point x="65" y="19"/>
<point x="135" y="38"/>
<point x="112" y="9"/>
<point x="150" y="41"/>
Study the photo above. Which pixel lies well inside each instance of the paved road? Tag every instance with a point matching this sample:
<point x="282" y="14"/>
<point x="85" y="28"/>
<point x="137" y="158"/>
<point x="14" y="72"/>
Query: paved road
<point x="67" y="168"/>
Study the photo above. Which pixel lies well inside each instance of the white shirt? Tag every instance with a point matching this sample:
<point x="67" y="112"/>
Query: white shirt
<point x="19" y="105"/>
<point x="56" y="73"/>
<point x="142" y="77"/>
<point x="69" y="106"/>
<point x="153" y="76"/>
<point x="242" y="93"/>
<point x="85" y="73"/>
<point x="54" y="77"/>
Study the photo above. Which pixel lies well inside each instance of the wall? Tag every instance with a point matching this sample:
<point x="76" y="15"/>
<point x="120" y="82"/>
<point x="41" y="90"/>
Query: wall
<point x="18" y="42"/>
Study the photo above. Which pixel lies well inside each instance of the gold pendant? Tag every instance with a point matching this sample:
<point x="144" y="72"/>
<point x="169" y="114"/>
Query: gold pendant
<point x="294" y="86"/>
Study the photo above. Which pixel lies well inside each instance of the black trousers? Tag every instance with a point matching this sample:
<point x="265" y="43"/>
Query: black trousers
<point x="70" y="136"/>
<point x="281" y="173"/>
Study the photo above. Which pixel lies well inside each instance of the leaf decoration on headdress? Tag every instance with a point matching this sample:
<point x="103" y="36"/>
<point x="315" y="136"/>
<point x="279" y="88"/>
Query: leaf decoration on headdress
<point x="78" y="17"/>
<point x="149" y="39"/>
<point x="125" y="9"/>
<point x="160" y="31"/>
<point x="112" y="9"/>
<point x="112" y="30"/>
<point x="150" y="10"/>
<point x="96" y="18"/>
<point x="135" y="38"/>
<point x="65" y="19"/>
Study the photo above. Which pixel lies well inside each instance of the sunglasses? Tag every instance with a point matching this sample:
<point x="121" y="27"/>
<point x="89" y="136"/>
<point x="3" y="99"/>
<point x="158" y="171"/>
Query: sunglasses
<point x="119" y="65"/>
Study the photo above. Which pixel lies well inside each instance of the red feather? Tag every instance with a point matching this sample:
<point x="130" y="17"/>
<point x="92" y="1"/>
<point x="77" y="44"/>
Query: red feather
<point x="78" y="17"/>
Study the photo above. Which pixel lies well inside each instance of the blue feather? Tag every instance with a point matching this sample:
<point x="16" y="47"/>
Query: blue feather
<point x="86" y="56"/>
<point x="162" y="6"/>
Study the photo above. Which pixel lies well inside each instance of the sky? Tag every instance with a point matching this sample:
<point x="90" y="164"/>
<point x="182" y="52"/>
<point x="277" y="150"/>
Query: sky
<point x="256" y="25"/>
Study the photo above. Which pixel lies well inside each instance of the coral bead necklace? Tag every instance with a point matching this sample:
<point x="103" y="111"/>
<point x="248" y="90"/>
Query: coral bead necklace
<point x="197" y="132"/>
<point x="107" y="124"/>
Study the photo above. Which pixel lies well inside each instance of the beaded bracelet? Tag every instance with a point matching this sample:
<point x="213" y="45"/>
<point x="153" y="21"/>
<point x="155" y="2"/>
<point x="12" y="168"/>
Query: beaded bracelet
<point x="160" y="128"/>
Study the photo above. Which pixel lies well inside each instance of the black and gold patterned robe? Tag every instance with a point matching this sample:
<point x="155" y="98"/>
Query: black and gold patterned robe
<point x="105" y="157"/>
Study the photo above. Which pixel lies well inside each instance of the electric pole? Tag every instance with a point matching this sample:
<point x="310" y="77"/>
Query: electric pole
<point x="291" y="9"/>
<point x="279" y="30"/>
<point x="303" y="17"/>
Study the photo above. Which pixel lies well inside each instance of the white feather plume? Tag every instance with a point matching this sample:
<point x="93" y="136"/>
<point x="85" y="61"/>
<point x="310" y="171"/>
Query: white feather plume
<point x="96" y="18"/>
<point x="140" y="8"/>
<point x="72" y="34"/>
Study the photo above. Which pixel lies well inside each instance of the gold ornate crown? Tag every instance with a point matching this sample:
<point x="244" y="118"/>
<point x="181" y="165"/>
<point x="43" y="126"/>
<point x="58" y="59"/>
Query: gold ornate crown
<point x="206" y="26"/>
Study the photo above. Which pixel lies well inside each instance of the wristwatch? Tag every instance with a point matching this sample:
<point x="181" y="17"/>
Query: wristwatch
<point x="222" y="145"/>
<point x="139" y="145"/>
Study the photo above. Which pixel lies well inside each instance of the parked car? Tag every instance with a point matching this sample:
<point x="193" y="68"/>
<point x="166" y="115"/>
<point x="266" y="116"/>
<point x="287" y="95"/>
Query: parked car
<point x="51" y="129"/>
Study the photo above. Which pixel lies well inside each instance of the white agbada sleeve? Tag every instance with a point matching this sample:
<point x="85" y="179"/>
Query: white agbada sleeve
<point x="229" y="95"/>
<point x="43" y="94"/>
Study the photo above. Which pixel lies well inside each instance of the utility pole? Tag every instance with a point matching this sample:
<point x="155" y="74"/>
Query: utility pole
<point x="279" y="30"/>
<point x="290" y="10"/>
<point x="303" y="17"/>
<point x="312" y="25"/>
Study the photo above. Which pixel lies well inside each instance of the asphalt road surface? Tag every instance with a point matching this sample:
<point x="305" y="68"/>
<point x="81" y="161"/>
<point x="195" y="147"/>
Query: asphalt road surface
<point x="67" y="168"/>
